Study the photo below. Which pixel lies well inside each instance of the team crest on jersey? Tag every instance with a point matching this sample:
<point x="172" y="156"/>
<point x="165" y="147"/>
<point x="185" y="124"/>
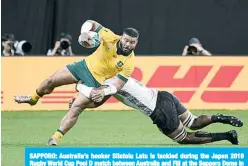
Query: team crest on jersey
<point x="119" y="64"/>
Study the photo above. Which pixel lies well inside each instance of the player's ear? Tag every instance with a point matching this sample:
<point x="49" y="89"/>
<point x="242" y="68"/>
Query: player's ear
<point x="121" y="38"/>
<point x="137" y="40"/>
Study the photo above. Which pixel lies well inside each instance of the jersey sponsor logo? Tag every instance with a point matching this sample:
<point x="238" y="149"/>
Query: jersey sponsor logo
<point x="119" y="65"/>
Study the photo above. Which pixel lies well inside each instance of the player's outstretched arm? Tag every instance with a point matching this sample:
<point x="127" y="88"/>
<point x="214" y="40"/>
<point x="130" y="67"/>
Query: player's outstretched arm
<point x="115" y="83"/>
<point x="109" y="87"/>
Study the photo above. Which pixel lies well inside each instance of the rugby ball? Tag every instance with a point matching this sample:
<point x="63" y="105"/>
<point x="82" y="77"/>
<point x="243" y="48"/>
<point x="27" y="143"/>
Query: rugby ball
<point x="94" y="40"/>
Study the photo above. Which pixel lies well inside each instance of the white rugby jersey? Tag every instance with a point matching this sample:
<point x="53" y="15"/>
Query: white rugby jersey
<point x="136" y="95"/>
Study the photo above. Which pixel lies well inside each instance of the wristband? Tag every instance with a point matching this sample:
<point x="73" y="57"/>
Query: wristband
<point x="110" y="90"/>
<point x="85" y="90"/>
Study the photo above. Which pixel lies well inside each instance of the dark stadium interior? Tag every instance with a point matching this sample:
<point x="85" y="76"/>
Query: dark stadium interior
<point x="165" y="26"/>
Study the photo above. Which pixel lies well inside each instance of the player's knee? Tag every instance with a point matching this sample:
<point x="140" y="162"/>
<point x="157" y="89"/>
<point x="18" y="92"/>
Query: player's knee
<point x="180" y="136"/>
<point x="75" y="110"/>
<point x="50" y="82"/>
<point x="77" y="107"/>
<point x="194" y="125"/>
<point x="190" y="121"/>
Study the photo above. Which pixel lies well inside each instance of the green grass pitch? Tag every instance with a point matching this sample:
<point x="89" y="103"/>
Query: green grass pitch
<point x="98" y="129"/>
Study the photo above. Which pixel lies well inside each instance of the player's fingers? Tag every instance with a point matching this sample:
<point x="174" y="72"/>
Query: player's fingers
<point x="95" y="100"/>
<point x="86" y="44"/>
<point x="98" y="100"/>
<point x="97" y="93"/>
<point x="97" y="97"/>
<point x="94" y="91"/>
<point x="93" y="96"/>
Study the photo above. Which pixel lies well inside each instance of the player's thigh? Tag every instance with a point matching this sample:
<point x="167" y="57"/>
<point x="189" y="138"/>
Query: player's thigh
<point x="78" y="106"/>
<point x="179" y="134"/>
<point x="62" y="77"/>
<point x="81" y="72"/>
<point x="180" y="108"/>
<point x="165" y="115"/>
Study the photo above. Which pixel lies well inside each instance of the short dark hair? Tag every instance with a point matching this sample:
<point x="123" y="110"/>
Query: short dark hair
<point x="8" y="36"/>
<point x="194" y="40"/>
<point x="131" y="32"/>
<point x="65" y="35"/>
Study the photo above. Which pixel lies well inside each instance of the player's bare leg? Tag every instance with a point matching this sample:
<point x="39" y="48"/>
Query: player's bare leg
<point x="195" y="123"/>
<point x="183" y="137"/>
<point x="76" y="107"/>
<point x="70" y="119"/>
<point x="59" y="78"/>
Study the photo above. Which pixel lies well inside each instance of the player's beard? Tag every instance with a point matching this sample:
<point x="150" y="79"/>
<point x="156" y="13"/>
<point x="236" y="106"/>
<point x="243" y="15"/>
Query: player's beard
<point x="124" y="49"/>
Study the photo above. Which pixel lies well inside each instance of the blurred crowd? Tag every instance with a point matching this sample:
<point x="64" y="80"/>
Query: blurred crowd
<point x="62" y="47"/>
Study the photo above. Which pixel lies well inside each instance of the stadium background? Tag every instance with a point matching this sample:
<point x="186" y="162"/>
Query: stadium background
<point x="165" y="27"/>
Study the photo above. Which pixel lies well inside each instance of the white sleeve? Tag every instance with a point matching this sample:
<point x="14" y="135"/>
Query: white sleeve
<point x="85" y="90"/>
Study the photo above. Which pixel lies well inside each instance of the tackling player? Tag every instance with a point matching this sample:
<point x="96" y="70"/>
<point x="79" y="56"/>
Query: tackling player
<point x="168" y="113"/>
<point x="113" y="58"/>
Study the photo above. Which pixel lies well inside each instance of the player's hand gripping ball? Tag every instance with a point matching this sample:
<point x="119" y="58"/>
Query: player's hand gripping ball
<point x="90" y="39"/>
